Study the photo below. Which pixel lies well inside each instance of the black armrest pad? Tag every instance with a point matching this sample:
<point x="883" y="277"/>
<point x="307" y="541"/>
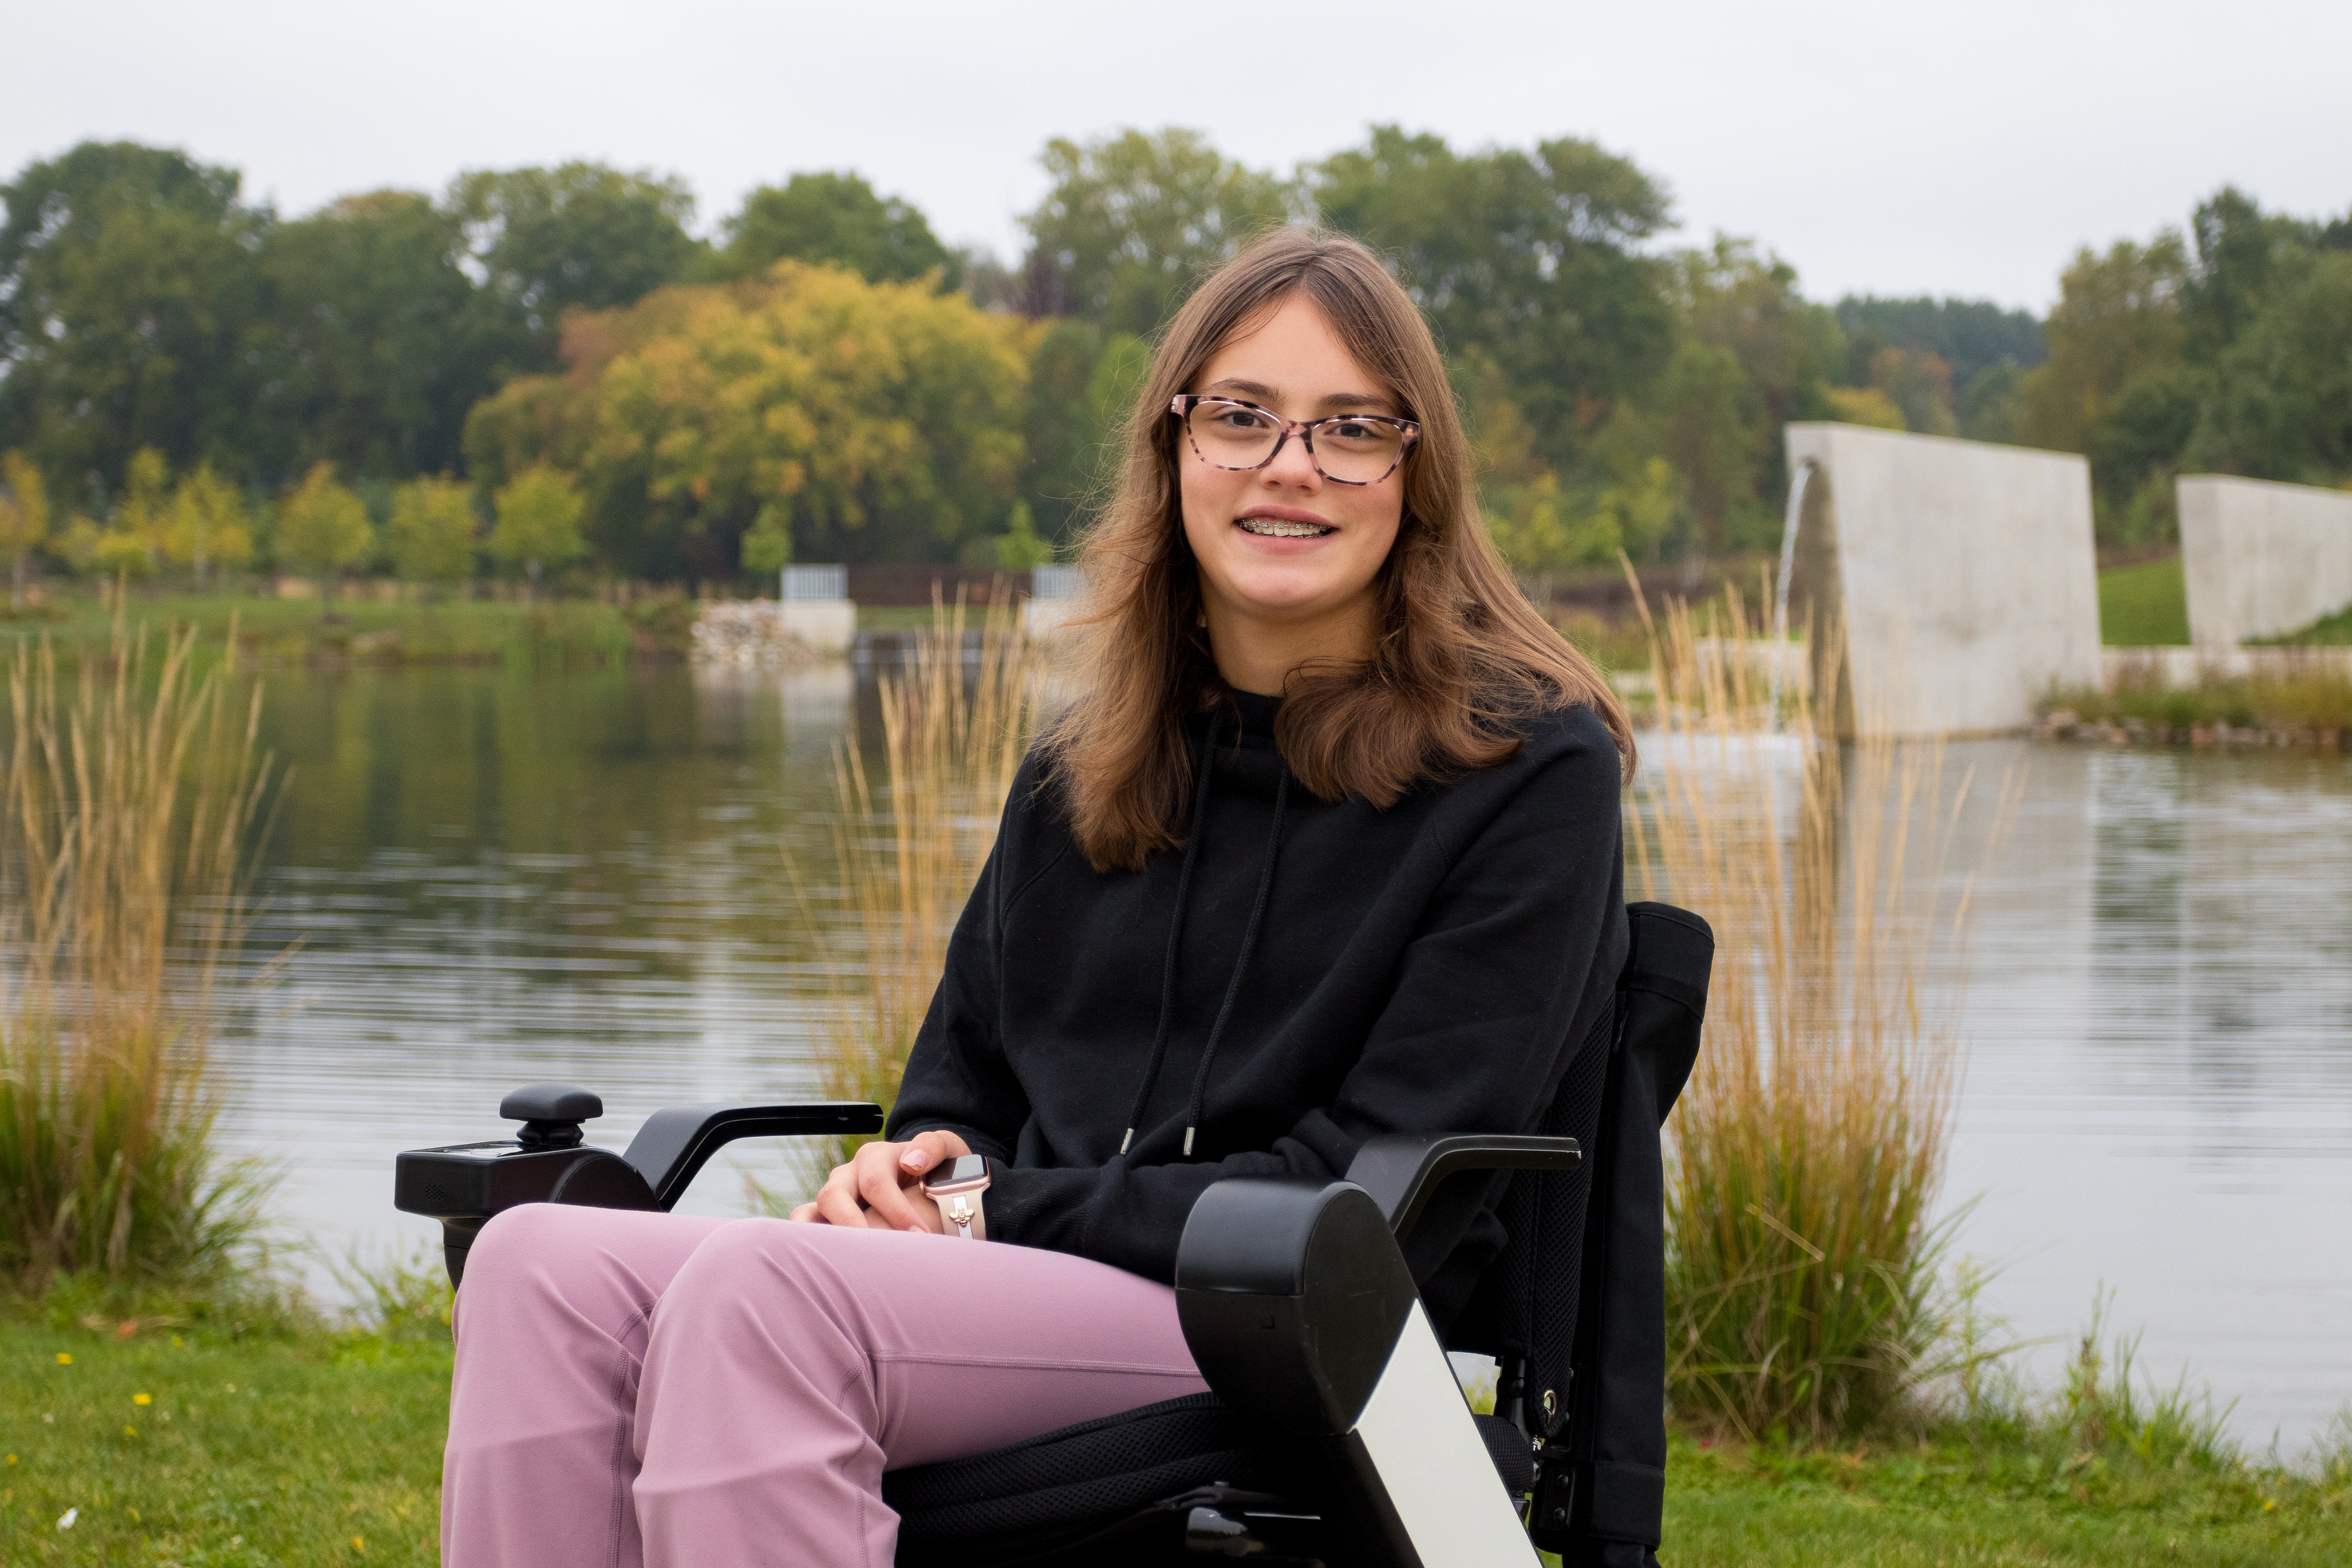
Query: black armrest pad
<point x="673" y="1145"/>
<point x="1400" y="1170"/>
<point x="1291" y="1296"/>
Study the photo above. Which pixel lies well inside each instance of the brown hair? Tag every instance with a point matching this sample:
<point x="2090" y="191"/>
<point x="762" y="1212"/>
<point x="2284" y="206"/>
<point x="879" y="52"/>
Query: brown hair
<point x="1461" y="659"/>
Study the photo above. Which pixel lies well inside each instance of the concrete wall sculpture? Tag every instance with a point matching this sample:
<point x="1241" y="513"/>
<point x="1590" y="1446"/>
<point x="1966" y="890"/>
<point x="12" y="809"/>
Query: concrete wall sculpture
<point x="1960" y="577"/>
<point x="2262" y="560"/>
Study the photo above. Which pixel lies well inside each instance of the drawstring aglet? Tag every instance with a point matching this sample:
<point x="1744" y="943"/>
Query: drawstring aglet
<point x="1188" y="1143"/>
<point x="1127" y="1140"/>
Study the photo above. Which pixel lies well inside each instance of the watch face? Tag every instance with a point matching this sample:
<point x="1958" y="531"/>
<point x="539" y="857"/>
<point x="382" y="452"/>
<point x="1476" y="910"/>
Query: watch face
<point x="963" y="1173"/>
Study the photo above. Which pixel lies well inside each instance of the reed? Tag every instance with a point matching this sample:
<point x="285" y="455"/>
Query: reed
<point x="2312" y="706"/>
<point x="134" y="795"/>
<point x="1804" y="1293"/>
<point x="909" y="845"/>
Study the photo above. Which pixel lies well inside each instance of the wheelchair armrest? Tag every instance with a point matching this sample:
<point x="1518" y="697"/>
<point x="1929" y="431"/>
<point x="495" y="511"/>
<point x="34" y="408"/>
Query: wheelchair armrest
<point x="1401" y="1171"/>
<point x="463" y="1185"/>
<point x="672" y="1147"/>
<point x="1298" y="1308"/>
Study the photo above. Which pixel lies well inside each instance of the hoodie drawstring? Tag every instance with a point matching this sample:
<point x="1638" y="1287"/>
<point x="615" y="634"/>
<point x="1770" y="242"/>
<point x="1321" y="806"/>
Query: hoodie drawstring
<point x="1175" y="934"/>
<point x="1233" y="985"/>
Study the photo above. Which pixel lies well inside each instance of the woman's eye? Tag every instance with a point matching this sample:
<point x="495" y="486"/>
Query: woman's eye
<point x="1240" y="419"/>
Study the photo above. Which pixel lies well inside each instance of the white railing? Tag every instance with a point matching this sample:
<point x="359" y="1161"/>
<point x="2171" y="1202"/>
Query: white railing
<point x="1057" y="582"/>
<point x="805" y="584"/>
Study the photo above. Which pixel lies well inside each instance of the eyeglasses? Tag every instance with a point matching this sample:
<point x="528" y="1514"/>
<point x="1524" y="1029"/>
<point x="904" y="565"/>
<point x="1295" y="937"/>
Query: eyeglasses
<point x="1346" y="448"/>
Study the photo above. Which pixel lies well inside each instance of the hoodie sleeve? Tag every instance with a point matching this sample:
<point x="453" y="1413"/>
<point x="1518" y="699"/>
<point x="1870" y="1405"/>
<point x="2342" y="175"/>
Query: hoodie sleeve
<point x="957" y="1078"/>
<point x="1491" y="996"/>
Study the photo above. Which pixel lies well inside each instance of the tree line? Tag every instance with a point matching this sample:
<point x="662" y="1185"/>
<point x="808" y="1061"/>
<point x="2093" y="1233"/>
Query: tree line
<point x="2226" y="349"/>
<point x="546" y="367"/>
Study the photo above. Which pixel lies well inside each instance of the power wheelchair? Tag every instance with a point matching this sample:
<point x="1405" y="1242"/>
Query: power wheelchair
<point x="1335" y="1432"/>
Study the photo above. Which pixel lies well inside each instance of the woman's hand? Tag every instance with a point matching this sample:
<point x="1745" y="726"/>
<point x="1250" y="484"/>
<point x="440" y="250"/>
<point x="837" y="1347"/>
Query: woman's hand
<point x="881" y="1186"/>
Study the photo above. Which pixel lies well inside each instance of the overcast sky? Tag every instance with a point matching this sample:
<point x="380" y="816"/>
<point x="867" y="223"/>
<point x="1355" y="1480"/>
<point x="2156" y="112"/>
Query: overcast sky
<point x="1881" y="147"/>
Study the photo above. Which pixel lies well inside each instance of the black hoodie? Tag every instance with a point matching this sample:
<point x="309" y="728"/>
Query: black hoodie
<point x="1431" y="968"/>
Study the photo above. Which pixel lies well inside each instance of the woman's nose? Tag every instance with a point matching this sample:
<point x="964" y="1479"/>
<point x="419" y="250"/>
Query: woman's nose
<point x="1293" y="466"/>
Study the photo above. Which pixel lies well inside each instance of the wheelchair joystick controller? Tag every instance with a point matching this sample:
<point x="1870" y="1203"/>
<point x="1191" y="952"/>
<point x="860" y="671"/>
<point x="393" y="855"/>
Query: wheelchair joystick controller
<point x="549" y="1161"/>
<point x="551" y="1114"/>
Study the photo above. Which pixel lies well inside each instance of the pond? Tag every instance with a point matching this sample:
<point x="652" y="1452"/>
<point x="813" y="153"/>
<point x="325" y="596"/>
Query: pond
<point x="490" y="879"/>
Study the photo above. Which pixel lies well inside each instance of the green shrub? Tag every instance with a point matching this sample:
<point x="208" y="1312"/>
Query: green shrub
<point x="131" y="805"/>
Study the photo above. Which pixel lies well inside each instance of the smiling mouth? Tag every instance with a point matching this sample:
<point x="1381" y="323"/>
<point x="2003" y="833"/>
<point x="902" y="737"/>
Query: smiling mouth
<point x="1282" y="528"/>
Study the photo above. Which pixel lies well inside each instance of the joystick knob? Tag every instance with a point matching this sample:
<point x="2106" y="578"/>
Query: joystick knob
<point x="550" y="1114"/>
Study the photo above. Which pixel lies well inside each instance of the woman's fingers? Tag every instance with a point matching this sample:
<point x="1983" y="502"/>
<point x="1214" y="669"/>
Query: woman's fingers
<point x="926" y="1152"/>
<point x="837" y="1201"/>
<point x="882" y="1183"/>
<point x="872" y="1189"/>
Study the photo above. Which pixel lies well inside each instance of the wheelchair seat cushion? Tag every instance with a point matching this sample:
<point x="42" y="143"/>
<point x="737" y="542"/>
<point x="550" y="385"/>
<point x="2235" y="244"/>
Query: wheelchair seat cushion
<point x="1074" y="1479"/>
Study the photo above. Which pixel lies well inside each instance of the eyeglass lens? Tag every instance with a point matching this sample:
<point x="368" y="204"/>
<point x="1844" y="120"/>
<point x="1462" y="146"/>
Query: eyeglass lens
<point x="1358" y="452"/>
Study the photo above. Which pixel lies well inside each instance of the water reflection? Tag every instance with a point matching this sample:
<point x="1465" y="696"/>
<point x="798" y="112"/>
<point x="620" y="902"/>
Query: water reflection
<point x="2159" y="1093"/>
<point x="491" y="879"/>
<point x="497" y="879"/>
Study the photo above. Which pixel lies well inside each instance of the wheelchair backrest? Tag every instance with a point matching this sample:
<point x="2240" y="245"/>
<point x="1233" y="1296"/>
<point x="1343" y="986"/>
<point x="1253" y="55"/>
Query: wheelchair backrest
<point x="1578" y="1294"/>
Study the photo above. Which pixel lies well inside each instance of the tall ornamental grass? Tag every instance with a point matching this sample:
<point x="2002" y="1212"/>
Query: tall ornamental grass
<point x="908" y="845"/>
<point x="1803" y="1260"/>
<point x="134" y="795"/>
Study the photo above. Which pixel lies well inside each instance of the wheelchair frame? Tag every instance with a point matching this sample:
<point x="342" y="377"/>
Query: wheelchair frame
<point x="1292" y="1295"/>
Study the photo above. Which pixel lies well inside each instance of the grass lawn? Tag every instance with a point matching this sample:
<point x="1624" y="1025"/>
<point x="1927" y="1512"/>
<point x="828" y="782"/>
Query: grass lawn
<point x="322" y="1449"/>
<point x="2144" y="606"/>
<point x="369" y="631"/>
<point x="200" y="1451"/>
<point x="1950" y="1502"/>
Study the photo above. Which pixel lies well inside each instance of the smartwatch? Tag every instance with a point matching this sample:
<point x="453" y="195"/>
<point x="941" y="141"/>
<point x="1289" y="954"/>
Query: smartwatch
<point x="956" y="1188"/>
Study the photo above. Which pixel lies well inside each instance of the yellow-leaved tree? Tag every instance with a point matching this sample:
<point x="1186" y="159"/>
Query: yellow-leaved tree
<point x="430" y="534"/>
<point x="24" y="519"/>
<point x="323" y="527"/>
<point x="131" y="544"/>
<point x="207" y="525"/>
<point x="827" y="417"/>
<point x="538" y="523"/>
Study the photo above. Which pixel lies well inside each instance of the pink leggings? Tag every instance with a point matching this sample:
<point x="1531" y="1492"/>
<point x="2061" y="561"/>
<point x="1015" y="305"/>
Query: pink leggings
<point x="658" y="1389"/>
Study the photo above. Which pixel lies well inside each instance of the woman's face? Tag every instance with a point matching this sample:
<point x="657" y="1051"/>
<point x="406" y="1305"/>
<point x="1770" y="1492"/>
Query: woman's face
<point x="1290" y="361"/>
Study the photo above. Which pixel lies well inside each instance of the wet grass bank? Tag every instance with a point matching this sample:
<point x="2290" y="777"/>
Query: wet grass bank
<point x="346" y="632"/>
<point x="292" y="1445"/>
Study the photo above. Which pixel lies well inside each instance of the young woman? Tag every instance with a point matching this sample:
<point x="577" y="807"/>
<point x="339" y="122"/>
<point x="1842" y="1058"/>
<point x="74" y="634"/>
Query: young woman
<point x="1328" y="849"/>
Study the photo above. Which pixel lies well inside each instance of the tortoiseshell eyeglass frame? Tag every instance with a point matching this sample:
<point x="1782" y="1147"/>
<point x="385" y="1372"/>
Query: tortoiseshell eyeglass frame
<point x="1183" y="404"/>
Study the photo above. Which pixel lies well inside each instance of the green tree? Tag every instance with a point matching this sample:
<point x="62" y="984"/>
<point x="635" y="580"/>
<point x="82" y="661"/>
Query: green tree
<point x="207" y="525"/>
<point x="1082" y="384"/>
<point x="1991" y="404"/>
<point x="2117" y="386"/>
<point x="323" y="527"/>
<point x="1018" y="548"/>
<point x="2243" y="256"/>
<point x="2282" y="405"/>
<point x="538" y="522"/>
<point x="132" y="543"/>
<point x="430" y="533"/>
<point x="129" y="287"/>
<point x="76" y="545"/>
<point x="1970" y="336"/>
<point x="1133" y="220"/>
<point x="1530" y="258"/>
<point x="24" y="519"/>
<point x="1864" y="405"/>
<point x="1750" y="355"/>
<point x="579" y="234"/>
<point x="768" y="542"/>
<point x="881" y="419"/>
<point x="374" y="340"/>
<point x="836" y="218"/>
<point x="1919" y="382"/>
